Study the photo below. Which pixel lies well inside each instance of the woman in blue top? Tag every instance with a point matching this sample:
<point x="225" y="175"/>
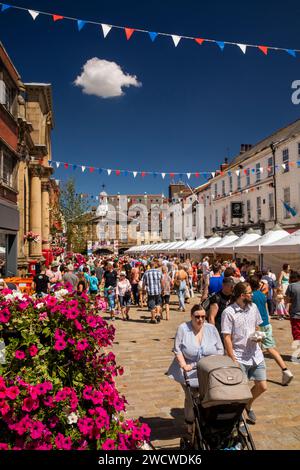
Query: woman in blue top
<point x="268" y="343"/>
<point x="194" y="339"/>
<point x="93" y="282"/>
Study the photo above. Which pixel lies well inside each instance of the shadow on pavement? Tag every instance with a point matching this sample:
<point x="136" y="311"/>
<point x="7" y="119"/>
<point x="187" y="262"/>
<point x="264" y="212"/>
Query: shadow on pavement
<point x="166" y="428"/>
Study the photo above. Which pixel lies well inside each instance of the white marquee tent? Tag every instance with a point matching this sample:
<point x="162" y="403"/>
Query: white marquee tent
<point x="229" y="238"/>
<point x="255" y="247"/>
<point x="289" y="244"/>
<point x="234" y="246"/>
<point x="210" y="242"/>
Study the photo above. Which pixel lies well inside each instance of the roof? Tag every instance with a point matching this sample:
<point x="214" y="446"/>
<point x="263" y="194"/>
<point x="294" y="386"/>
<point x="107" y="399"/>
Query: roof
<point x="278" y="136"/>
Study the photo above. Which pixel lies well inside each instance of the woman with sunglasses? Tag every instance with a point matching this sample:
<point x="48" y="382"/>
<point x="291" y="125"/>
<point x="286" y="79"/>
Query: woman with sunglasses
<point x="194" y="340"/>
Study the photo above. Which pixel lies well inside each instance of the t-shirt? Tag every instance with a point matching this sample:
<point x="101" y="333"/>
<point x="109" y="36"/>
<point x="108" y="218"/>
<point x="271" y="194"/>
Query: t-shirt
<point x="260" y="301"/>
<point x="222" y="301"/>
<point x="41" y="283"/>
<point x="271" y="285"/>
<point x="110" y="278"/>
<point x="93" y="283"/>
<point x="127" y="268"/>
<point x="215" y="284"/>
<point x="293" y="292"/>
<point x="71" y="278"/>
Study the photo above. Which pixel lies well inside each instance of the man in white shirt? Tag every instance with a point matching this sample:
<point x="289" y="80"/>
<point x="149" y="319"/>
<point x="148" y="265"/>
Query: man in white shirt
<point x="239" y="322"/>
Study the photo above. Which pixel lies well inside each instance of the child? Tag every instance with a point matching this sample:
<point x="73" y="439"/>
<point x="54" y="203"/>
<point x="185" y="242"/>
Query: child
<point x="280" y="309"/>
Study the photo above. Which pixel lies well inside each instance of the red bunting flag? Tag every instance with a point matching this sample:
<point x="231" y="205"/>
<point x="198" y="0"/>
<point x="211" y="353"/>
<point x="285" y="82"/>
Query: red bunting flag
<point x="197" y="175"/>
<point x="57" y="17"/>
<point x="143" y="173"/>
<point x="66" y="165"/>
<point x="199" y="41"/>
<point x="222" y="173"/>
<point x="245" y="172"/>
<point x="118" y="172"/>
<point x="92" y="169"/>
<point x="172" y="175"/>
<point x="129" y="32"/>
<point x="264" y="49"/>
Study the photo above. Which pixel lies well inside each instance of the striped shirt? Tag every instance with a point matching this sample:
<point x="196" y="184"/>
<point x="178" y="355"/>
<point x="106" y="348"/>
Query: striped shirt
<point x="152" y="281"/>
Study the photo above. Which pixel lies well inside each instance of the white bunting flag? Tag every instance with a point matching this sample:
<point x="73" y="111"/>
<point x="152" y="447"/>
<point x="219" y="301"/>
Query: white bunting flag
<point x="33" y="13"/>
<point x="134" y="174"/>
<point x="247" y="191"/>
<point x="283" y="166"/>
<point x="83" y="169"/>
<point x="163" y="175"/>
<point x="188" y="175"/>
<point x="243" y="47"/>
<point x="261" y="169"/>
<point x="108" y="172"/>
<point x="176" y="39"/>
<point x="106" y="29"/>
<point x="213" y="174"/>
<point x="57" y="164"/>
<point x="237" y="172"/>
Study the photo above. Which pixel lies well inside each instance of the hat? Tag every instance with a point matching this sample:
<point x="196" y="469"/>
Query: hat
<point x="70" y="267"/>
<point x="264" y="281"/>
<point x="122" y="273"/>
<point x="55" y="264"/>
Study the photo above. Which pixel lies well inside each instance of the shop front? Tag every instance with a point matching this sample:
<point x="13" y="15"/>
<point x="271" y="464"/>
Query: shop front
<point x="9" y="226"/>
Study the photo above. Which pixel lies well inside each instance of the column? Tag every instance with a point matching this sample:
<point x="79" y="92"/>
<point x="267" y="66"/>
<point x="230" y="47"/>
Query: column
<point x="35" y="212"/>
<point x="45" y="215"/>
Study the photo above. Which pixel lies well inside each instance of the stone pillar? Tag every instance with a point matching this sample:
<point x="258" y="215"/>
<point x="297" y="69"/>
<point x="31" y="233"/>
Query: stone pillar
<point x="35" y="212"/>
<point x="45" y="216"/>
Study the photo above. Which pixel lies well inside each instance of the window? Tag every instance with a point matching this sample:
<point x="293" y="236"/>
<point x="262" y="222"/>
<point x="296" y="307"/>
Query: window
<point x="248" y="210"/>
<point x="205" y="225"/>
<point x="216" y="191"/>
<point x="7" y="168"/>
<point x="257" y="172"/>
<point x="287" y="199"/>
<point x="298" y="150"/>
<point x="270" y="166"/>
<point x="217" y="218"/>
<point x="230" y="183"/>
<point x="258" y="207"/>
<point x="239" y="180"/>
<point x="223" y="187"/>
<point x="285" y="159"/>
<point x="248" y="177"/>
<point x="6" y="95"/>
<point x="271" y="206"/>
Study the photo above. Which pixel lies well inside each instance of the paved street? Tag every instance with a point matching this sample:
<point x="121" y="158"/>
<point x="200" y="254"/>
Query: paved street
<point x="145" y="352"/>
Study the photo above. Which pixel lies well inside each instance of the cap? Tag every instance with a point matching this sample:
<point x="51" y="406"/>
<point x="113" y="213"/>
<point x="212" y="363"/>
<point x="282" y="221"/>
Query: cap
<point x="122" y="273"/>
<point x="55" y="264"/>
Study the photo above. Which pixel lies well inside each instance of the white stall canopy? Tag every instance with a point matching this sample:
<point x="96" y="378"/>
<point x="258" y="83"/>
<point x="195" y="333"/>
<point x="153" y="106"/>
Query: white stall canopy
<point x="175" y="246"/>
<point x="229" y="238"/>
<point x="197" y="244"/>
<point x="248" y="237"/>
<point x="210" y="242"/>
<point x="255" y="247"/>
<point x="289" y="244"/>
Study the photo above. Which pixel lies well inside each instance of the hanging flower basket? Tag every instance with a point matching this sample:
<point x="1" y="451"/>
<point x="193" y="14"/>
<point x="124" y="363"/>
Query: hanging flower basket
<point x="31" y="237"/>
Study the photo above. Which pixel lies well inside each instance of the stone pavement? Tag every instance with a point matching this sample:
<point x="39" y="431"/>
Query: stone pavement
<point x="145" y="351"/>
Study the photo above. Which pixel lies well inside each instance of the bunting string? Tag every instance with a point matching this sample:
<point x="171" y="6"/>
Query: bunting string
<point x="245" y="172"/>
<point x="106" y="28"/>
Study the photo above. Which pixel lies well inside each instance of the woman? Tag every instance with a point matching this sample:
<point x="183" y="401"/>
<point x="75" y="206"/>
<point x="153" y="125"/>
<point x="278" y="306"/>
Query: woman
<point x="82" y="285"/>
<point x="194" y="340"/>
<point x="166" y="291"/>
<point x="180" y="284"/>
<point x="284" y="277"/>
<point x="124" y="295"/>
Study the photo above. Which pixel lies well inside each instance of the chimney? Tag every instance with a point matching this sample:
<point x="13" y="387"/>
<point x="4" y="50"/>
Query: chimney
<point x="224" y="165"/>
<point x="245" y="148"/>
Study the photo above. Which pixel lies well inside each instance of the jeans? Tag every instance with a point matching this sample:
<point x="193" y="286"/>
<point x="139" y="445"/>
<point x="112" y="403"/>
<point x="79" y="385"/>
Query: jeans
<point x="181" y="294"/>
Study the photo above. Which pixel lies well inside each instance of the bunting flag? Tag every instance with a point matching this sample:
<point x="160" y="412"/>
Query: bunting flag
<point x="153" y="35"/>
<point x="290" y="209"/>
<point x="134" y="174"/>
<point x="83" y="169"/>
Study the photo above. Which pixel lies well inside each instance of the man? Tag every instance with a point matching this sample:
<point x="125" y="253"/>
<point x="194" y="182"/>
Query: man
<point x="216" y="280"/>
<point x="69" y="277"/>
<point x="110" y="283"/>
<point x="271" y="285"/>
<point x="206" y="273"/>
<point x="41" y="283"/>
<point x="152" y="282"/>
<point x="54" y="274"/>
<point x="219" y="302"/>
<point x="292" y="296"/>
<point x="98" y="271"/>
<point x="239" y="322"/>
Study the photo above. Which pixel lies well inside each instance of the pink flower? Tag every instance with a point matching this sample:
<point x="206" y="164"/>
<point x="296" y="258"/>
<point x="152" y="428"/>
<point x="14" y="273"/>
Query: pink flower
<point x="23" y="305"/>
<point x="78" y="325"/>
<point x="60" y="345"/>
<point x="43" y="316"/>
<point x="4" y="316"/>
<point x="73" y="303"/>
<point x="91" y="321"/>
<point x="85" y="425"/>
<point x="71" y="341"/>
<point x="145" y="430"/>
<point x="29" y="404"/>
<point x="48" y="401"/>
<point x="64" y="443"/>
<point x="20" y="355"/>
<point x="44" y="447"/>
<point x="82" y="345"/>
<point x="53" y="422"/>
<point x="3" y="446"/>
<point x="109" y="444"/>
<point x="4" y="407"/>
<point x="36" y="430"/>
<point x="33" y="350"/>
<point x="59" y="334"/>
<point x="51" y="301"/>
<point x="12" y="392"/>
<point x="72" y="314"/>
<point x="88" y="392"/>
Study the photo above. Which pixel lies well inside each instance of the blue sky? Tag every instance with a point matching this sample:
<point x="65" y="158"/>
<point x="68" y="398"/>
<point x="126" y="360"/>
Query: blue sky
<point x="195" y="105"/>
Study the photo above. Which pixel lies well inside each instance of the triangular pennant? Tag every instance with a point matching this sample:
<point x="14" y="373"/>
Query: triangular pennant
<point x="199" y="41"/>
<point x="176" y="39"/>
<point x="172" y="175"/>
<point x="74" y="167"/>
<point x="213" y="173"/>
<point x="125" y="173"/>
<point x="237" y="172"/>
<point x="80" y="24"/>
<point x="108" y="172"/>
<point x="129" y="32"/>
<point x="261" y="169"/>
<point x="57" y="17"/>
<point x="291" y="52"/>
<point x="66" y="165"/>
<point x="5" y="7"/>
<point x="155" y="175"/>
<point x="243" y="47"/>
<point x="143" y="174"/>
<point x="221" y="45"/>
<point x="49" y="162"/>
<point x="106" y="29"/>
<point x="134" y="173"/>
<point x="33" y="13"/>
<point x="263" y="49"/>
<point x="118" y="172"/>
<point x="83" y="169"/>
<point x="163" y="175"/>
<point x="92" y="169"/>
<point x="283" y="166"/>
<point x="153" y="36"/>
<point x="57" y="164"/>
<point x="188" y="175"/>
<point x="229" y="173"/>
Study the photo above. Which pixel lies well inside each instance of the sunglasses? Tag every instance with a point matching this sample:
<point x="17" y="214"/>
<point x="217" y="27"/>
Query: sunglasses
<point x="200" y="316"/>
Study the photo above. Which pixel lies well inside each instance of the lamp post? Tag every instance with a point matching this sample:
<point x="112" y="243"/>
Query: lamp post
<point x="273" y="149"/>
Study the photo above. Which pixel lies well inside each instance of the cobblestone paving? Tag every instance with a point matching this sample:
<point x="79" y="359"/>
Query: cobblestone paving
<point x="145" y="351"/>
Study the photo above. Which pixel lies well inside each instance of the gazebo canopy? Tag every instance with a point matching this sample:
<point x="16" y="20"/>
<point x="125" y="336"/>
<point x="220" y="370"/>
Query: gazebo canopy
<point x="277" y="233"/>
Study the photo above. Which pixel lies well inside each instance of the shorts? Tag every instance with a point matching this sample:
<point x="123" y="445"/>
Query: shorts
<point x="269" y="341"/>
<point x="124" y="300"/>
<point x="166" y="299"/>
<point x="154" y="301"/>
<point x="295" y="324"/>
<point x="255" y="372"/>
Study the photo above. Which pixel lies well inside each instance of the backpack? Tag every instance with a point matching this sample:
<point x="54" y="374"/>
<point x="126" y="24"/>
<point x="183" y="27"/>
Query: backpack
<point x="206" y="303"/>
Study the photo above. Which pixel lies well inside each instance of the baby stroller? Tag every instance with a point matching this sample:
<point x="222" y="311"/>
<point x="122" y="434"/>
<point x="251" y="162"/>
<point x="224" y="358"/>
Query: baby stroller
<point x="218" y="408"/>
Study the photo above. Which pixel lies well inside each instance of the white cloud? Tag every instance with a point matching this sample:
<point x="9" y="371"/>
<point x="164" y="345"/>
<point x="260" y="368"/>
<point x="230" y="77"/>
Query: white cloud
<point x="104" y="79"/>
